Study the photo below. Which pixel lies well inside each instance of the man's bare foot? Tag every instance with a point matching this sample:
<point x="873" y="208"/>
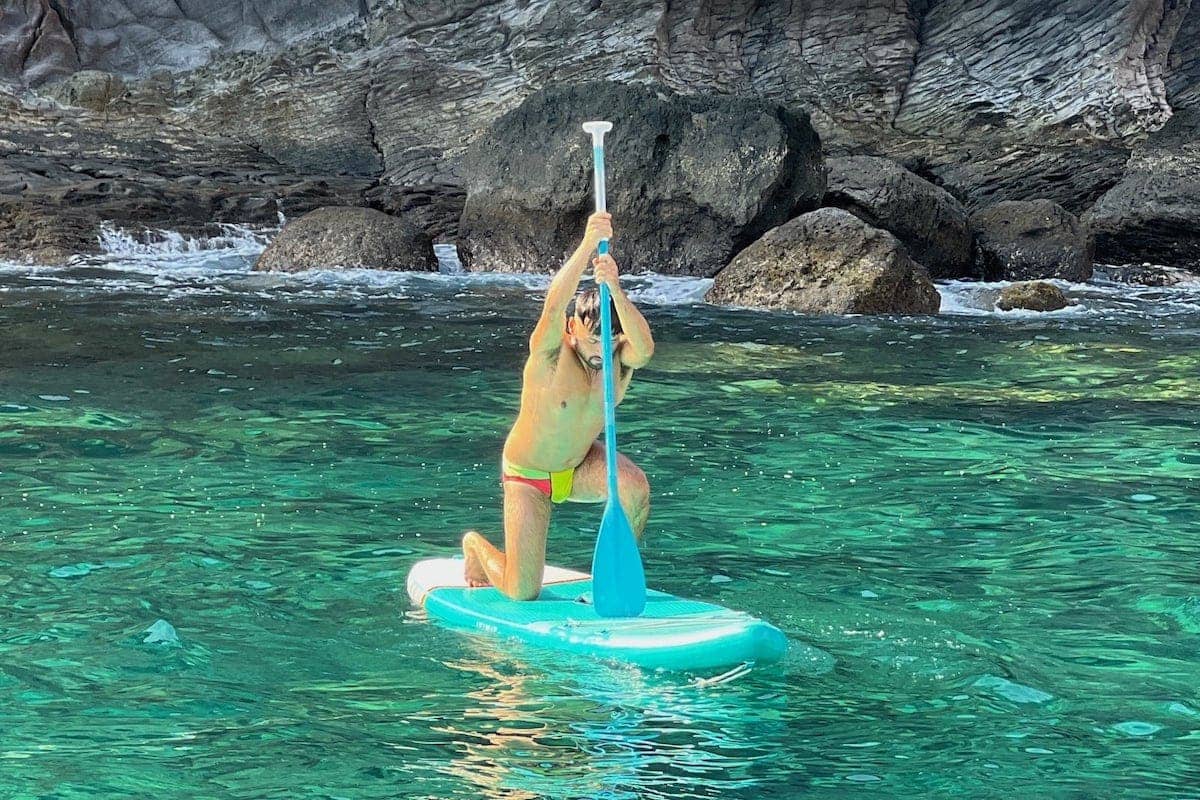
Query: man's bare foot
<point x="473" y="571"/>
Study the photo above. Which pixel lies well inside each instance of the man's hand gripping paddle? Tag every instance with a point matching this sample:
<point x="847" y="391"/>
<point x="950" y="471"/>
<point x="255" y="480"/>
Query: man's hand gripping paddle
<point x="618" y="581"/>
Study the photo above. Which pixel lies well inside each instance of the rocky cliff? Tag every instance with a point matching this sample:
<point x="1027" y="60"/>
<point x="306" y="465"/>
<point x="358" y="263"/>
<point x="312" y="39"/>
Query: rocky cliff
<point x="991" y="99"/>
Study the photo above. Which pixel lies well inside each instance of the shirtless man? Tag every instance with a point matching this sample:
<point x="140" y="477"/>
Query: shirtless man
<point x="551" y="455"/>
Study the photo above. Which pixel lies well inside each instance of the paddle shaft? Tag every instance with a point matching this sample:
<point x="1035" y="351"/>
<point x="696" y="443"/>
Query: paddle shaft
<point x="606" y="337"/>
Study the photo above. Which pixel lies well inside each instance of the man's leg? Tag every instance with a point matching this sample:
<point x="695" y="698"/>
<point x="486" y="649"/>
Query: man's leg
<point x="591" y="486"/>
<point x="518" y="570"/>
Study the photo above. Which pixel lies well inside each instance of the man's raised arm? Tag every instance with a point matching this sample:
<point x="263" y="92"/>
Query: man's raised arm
<point x="547" y="335"/>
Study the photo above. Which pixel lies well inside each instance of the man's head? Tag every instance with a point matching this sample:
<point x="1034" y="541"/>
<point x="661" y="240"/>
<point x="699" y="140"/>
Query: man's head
<point x="583" y="326"/>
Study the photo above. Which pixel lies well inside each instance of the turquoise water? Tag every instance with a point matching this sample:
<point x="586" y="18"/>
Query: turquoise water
<point x="980" y="533"/>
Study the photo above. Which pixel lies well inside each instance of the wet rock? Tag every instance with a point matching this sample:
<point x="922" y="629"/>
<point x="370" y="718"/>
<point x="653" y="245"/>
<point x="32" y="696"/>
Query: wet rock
<point x="827" y="262"/>
<point x="1149" y="275"/>
<point x="31" y="234"/>
<point x="63" y="174"/>
<point x="1153" y="213"/>
<point x="691" y="180"/>
<point x="348" y="237"/>
<point x="433" y="207"/>
<point x="163" y="634"/>
<point x="928" y="219"/>
<point x="1026" y="240"/>
<point x="1032" y="296"/>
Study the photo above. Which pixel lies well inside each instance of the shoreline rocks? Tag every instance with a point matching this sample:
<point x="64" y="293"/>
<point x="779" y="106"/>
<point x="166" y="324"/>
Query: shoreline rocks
<point x="1153" y="212"/>
<point x="345" y="237"/>
<point x="234" y="116"/>
<point x="827" y="262"/>
<point x="1031" y="296"/>
<point x="1031" y="239"/>
<point x="692" y="179"/>
<point x="928" y="219"/>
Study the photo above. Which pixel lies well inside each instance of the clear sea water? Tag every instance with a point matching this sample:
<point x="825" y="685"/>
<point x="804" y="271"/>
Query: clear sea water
<point x="979" y="531"/>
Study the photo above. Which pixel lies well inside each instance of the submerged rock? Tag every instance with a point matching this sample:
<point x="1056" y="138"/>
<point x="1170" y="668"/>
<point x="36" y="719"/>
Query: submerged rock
<point x="1153" y="213"/>
<point x="1032" y="296"/>
<point x="930" y="222"/>
<point x="162" y="633"/>
<point x="1029" y="239"/>
<point x="340" y="236"/>
<point x="827" y="262"/>
<point x="691" y="180"/>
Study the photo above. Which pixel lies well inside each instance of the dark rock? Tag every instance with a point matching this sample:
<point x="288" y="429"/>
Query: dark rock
<point x="433" y="207"/>
<point x="348" y="237"/>
<point x="1183" y="81"/>
<point x="996" y="168"/>
<point x="1032" y="296"/>
<point x="1153" y="214"/>
<point x="928" y="219"/>
<point x="139" y="175"/>
<point x="31" y="234"/>
<point x="1030" y="239"/>
<point x="827" y="262"/>
<point x="691" y="180"/>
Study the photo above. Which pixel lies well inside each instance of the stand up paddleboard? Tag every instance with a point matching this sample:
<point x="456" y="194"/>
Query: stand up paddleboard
<point x="671" y="634"/>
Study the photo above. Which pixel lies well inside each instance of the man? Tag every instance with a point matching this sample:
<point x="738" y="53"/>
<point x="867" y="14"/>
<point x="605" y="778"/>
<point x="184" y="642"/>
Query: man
<point x="551" y="455"/>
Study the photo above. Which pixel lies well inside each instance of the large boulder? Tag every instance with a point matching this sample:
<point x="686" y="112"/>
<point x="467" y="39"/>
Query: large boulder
<point x="928" y="219"/>
<point x="1029" y="239"/>
<point x="1031" y="296"/>
<point x="827" y="262"/>
<point x="1153" y="213"/>
<point x="691" y="180"/>
<point x="340" y="236"/>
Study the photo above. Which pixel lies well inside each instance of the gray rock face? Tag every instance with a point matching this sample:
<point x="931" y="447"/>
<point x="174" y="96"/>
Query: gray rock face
<point x="930" y="222"/>
<point x="35" y="45"/>
<point x="1029" y="239"/>
<point x="992" y="65"/>
<point x="827" y="262"/>
<point x="1183" y="75"/>
<point x="348" y="237"/>
<point x="139" y="36"/>
<point x="1153" y="214"/>
<point x="1032" y="296"/>
<point x="691" y="180"/>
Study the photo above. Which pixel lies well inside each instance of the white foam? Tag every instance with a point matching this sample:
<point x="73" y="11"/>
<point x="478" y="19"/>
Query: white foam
<point x="178" y="266"/>
<point x="119" y="244"/>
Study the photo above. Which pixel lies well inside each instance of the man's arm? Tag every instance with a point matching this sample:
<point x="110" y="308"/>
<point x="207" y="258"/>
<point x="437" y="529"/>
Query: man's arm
<point x="548" y="333"/>
<point x="637" y="344"/>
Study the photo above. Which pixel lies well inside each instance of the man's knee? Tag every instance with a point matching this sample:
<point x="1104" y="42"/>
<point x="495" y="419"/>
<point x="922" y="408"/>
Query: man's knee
<point x="634" y="482"/>
<point x="522" y="590"/>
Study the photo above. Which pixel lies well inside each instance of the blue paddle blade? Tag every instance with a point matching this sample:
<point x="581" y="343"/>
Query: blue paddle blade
<point x="618" y="581"/>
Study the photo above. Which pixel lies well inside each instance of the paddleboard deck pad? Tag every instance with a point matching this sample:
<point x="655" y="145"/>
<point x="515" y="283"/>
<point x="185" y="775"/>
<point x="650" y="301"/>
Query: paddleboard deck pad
<point x="671" y="634"/>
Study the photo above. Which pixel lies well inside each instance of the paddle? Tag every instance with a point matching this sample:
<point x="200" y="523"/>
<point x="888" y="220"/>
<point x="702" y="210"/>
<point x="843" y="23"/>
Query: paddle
<point x="618" y="582"/>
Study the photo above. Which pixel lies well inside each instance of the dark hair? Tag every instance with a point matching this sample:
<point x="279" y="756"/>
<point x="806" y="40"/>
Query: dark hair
<point x="587" y="306"/>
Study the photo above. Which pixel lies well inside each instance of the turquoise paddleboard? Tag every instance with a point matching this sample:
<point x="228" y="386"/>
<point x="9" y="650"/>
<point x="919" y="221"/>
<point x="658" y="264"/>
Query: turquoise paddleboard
<point x="672" y="633"/>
